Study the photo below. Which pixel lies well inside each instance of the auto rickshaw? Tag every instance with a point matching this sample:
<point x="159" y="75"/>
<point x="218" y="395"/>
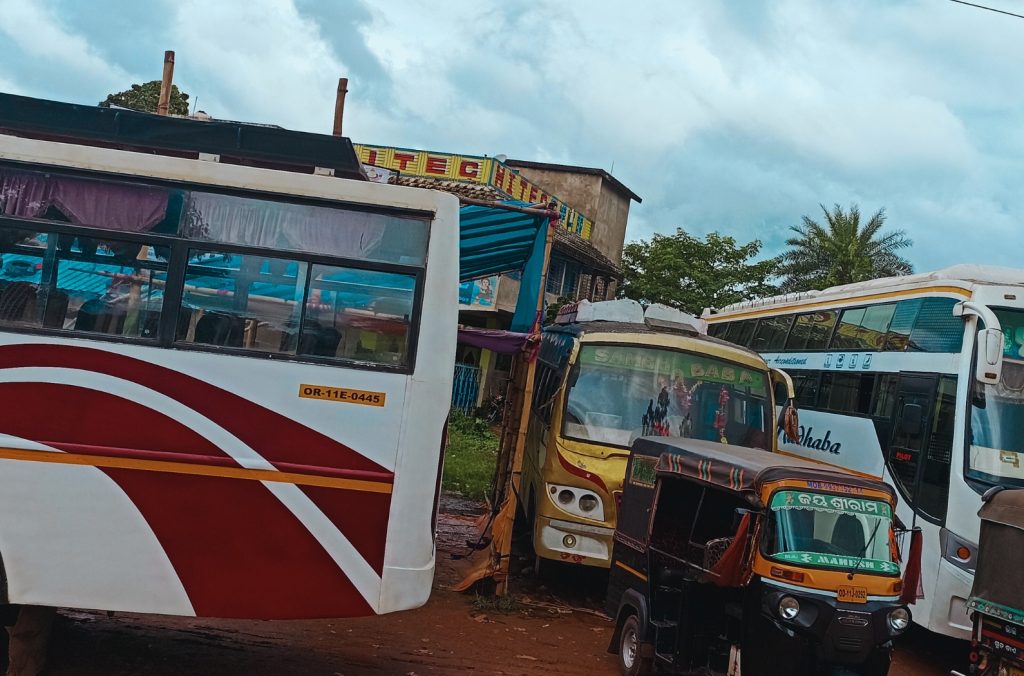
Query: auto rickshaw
<point x="729" y="558"/>
<point x="997" y="598"/>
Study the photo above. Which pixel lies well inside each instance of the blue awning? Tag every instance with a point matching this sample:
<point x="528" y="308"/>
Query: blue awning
<point x="493" y="240"/>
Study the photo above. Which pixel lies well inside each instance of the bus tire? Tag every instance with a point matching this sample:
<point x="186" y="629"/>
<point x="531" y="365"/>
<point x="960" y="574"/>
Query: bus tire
<point x="631" y="663"/>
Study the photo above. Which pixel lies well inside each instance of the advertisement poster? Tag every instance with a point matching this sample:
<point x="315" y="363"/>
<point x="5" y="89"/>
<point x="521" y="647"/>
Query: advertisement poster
<point x="479" y="293"/>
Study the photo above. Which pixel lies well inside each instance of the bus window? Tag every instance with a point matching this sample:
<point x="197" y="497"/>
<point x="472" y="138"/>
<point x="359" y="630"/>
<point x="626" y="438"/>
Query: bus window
<point x="771" y="333"/>
<point x="107" y="286"/>
<point x="935" y="478"/>
<point x="741" y="332"/>
<point x="361" y="315"/>
<point x="902" y="323"/>
<point x="821" y="329"/>
<point x="800" y="333"/>
<point x="241" y="301"/>
<point x="806" y="388"/>
<point x="21" y="275"/>
<point x="864" y="328"/>
<point x="936" y="329"/>
<point x="847" y="392"/>
<point x="326" y="231"/>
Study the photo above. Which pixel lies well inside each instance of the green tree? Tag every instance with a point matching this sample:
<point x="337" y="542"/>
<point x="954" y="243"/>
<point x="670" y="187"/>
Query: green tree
<point x="691" y="274"/>
<point x="842" y="251"/>
<point x="144" y="97"/>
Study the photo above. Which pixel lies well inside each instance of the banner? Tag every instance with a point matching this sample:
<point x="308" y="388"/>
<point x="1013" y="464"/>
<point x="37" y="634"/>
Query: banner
<point x="472" y="169"/>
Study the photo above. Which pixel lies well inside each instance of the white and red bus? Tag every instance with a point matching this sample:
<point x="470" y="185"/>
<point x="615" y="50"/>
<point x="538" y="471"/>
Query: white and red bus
<point x="222" y="387"/>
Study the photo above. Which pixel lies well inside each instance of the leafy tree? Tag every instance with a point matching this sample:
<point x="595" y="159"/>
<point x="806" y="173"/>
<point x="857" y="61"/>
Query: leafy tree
<point x="691" y="274"/>
<point x="144" y="97"/>
<point x="842" y="251"/>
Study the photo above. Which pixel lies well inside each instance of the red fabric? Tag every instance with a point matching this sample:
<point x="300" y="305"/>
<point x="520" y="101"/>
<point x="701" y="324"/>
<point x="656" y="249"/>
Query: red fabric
<point x="912" y="589"/>
<point x="728" y="572"/>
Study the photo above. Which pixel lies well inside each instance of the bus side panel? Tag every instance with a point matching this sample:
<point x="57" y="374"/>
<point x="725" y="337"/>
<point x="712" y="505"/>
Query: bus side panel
<point x="409" y="559"/>
<point x="167" y="469"/>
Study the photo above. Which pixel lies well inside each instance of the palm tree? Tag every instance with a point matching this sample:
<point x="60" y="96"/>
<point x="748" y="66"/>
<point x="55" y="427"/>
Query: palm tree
<point x="843" y="252"/>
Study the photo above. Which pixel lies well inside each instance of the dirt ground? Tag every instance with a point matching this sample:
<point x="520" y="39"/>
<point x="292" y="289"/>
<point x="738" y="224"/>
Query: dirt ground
<point x="542" y="633"/>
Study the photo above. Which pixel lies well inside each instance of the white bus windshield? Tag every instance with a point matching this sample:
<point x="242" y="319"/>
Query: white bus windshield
<point x="997" y="413"/>
<point x="831" y="531"/>
<point x="623" y="392"/>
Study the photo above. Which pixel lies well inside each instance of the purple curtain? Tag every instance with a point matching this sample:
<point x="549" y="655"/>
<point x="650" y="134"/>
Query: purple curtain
<point x="280" y="225"/>
<point x="112" y="206"/>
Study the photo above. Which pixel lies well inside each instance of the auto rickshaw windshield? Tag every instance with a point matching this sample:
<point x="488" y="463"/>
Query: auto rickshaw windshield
<point x="831" y="531"/>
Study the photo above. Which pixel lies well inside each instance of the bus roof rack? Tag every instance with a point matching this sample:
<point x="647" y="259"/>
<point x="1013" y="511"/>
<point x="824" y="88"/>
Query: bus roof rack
<point x="231" y="142"/>
<point x="627" y="311"/>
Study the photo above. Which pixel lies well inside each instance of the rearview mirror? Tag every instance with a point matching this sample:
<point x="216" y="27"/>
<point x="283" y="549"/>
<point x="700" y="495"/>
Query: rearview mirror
<point x="911" y="419"/>
<point x="989" y="360"/>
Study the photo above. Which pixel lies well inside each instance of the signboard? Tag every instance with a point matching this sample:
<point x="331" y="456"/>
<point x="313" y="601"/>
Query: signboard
<point x="479" y="293"/>
<point x="472" y="169"/>
<point x="838" y="561"/>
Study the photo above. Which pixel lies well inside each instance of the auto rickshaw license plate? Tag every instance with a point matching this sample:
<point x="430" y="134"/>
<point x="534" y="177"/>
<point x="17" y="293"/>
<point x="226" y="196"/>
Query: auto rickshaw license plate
<point x="849" y="594"/>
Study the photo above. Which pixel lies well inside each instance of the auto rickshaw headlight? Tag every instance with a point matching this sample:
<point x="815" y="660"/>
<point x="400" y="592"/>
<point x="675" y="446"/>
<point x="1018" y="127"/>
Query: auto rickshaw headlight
<point x="566" y="497"/>
<point x="588" y="503"/>
<point x="789" y="607"/>
<point x="899" y="620"/>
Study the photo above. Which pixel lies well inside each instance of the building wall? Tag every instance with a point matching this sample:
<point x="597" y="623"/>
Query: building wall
<point x="594" y="198"/>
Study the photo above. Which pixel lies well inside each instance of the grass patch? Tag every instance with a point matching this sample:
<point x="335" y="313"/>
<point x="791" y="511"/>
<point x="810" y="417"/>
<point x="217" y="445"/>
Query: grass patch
<point x="470" y="458"/>
<point x="496" y="604"/>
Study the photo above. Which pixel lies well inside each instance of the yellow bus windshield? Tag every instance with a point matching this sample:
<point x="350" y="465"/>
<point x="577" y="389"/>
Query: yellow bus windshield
<point x="621" y="392"/>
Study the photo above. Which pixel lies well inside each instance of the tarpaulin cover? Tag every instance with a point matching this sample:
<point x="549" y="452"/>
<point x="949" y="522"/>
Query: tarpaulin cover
<point x="502" y="342"/>
<point x="999" y="578"/>
<point x="493" y="240"/>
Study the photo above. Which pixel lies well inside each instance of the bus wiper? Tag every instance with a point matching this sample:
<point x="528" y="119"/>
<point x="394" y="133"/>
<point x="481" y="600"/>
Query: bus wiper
<point x="864" y="551"/>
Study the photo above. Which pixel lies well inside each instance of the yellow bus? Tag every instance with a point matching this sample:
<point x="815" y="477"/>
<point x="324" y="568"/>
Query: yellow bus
<point x="608" y="373"/>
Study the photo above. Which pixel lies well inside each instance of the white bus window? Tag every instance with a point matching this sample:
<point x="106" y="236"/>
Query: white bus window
<point x="106" y="286"/>
<point x="864" y="328"/>
<point x="936" y="329"/>
<point x="241" y="301"/>
<point x="771" y="333"/>
<point x="800" y="334"/>
<point x="902" y="323"/>
<point x="326" y="231"/>
<point x="21" y="274"/>
<point x="822" y="324"/>
<point x="361" y="315"/>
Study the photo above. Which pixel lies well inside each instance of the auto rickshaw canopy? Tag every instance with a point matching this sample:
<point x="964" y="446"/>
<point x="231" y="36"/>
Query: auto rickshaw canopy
<point x="740" y="469"/>
<point x="999" y="578"/>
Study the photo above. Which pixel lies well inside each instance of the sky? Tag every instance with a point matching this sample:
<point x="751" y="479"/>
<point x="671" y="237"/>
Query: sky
<point x="739" y="117"/>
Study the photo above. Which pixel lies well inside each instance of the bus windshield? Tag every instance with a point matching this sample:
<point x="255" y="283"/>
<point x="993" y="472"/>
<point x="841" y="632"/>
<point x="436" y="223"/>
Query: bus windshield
<point x="831" y="531"/>
<point x="997" y="413"/>
<point x="621" y="392"/>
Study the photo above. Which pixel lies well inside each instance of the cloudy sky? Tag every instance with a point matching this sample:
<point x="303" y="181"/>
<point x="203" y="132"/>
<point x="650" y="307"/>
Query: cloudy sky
<point x="736" y="116"/>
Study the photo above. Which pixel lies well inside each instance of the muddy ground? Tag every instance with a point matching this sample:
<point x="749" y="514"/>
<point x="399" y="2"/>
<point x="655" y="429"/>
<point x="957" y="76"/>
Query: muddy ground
<point x="542" y="633"/>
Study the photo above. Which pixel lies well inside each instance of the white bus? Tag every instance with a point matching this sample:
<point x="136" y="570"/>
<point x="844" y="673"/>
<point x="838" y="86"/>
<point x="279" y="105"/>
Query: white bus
<point x="222" y="387"/>
<point x="891" y="384"/>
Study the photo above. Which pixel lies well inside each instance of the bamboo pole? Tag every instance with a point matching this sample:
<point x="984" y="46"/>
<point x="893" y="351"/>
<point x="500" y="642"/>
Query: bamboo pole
<point x="504" y="548"/>
<point x="339" y="104"/>
<point x="164" y="103"/>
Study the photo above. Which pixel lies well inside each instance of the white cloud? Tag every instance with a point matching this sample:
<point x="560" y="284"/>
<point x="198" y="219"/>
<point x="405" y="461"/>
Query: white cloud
<point x="38" y="32"/>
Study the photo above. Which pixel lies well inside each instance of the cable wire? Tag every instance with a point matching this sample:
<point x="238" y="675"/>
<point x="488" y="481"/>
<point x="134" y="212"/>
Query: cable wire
<point x="991" y="9"/>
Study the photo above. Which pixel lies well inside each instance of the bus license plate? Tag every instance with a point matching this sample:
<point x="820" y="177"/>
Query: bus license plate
<point x="848" y="594"/>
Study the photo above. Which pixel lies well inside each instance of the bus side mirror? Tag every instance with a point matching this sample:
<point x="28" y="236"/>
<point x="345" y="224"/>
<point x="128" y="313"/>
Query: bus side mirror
<point x="911" y="419"/>
<point x="989" y="361"/>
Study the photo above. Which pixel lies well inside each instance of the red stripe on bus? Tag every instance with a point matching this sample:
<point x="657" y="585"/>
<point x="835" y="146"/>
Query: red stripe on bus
<point x="274" y="436"/>
<point x="237" y="552"/>
<point x="580" y="472"/>
<point x="362" y="517"/>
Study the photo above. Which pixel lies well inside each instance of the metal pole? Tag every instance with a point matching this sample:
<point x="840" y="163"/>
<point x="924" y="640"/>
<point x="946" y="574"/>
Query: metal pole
<point x="339" y="104"/>
<point x="165" y="84"/>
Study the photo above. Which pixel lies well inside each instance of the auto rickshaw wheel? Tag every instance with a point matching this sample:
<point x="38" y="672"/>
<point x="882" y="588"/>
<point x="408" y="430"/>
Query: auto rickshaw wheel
<point x="630" y="661"/>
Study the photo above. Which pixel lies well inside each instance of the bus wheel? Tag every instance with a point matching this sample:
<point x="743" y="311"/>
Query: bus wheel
<point x="630" y="661"/>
